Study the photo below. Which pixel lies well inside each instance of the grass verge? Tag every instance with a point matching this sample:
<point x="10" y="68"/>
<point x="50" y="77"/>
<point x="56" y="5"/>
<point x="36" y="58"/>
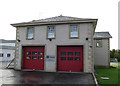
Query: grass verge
<point x="111" y="73"/>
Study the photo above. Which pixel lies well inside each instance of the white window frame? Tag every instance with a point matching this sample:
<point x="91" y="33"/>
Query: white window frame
<point x="30" y="33"/>
<point x="51" y="32"/>
<point x="74" y="31"/>
<point x="98" y="43"/>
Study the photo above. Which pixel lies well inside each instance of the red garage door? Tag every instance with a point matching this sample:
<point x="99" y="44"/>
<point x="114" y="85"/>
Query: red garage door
<point x="33" y="58"/>
<point x="70" y="59"/>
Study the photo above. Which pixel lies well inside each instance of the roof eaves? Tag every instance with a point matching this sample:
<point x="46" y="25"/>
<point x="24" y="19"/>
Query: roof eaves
<point x="52" y="22"/>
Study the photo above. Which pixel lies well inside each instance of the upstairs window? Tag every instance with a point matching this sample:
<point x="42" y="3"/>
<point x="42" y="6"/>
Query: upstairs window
<point x="30" y="33"/>
<point x="51" y="32"/>
<point x="98" y="43"/>
<point x="74" y="31"/>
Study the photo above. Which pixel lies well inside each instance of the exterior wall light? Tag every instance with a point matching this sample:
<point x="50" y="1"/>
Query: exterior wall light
<point x="86" y="38"/>
<point x="50" y="39"/>
<point x="18" y="40"/>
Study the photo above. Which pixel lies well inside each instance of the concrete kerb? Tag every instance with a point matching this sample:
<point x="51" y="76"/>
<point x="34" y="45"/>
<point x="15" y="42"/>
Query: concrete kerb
<point x="95" y="79"/>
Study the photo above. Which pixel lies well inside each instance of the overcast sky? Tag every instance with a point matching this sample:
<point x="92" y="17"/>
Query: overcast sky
<point x="15" y="11"/>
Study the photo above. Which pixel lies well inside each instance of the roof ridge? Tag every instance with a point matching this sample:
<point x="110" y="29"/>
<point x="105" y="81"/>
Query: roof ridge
<point x="60" y="16"/>
<point x="102" y="32"/>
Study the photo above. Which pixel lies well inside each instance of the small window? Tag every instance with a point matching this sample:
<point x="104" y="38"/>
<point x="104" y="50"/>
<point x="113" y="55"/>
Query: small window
<point x="74" y="31"/>
<point x="70" y="53"/>
<point x="30" y="33"/>
<point x="8" y="55"/>
<point x="40" y="58"/>
<point x="34" y="53"/>
<point x="77" y="58"/>
<point x="70" y="58"/>
<point x="28" y="57"/>
<point x="34" y="57"/>
<point x="1" y="54"/>
<point x="28" y="53"/>
<point x="51" y="32"/>
<point x="77" y="53"/>
<point x="40" y="53"/>
<point x="63" y="58"/>
<point x="99" y="43"/>
<point x="63" y="53"/>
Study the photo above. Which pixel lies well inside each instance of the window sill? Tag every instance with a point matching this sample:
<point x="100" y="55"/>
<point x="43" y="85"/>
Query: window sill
<point x="30" y="39"/>
<point x="50" y="38"/>
<point x="74" y="38"/>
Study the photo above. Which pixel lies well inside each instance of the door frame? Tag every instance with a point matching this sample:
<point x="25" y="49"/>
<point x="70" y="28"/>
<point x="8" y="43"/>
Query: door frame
<point x="84" y="48"/>
<point x="22" y="56"/>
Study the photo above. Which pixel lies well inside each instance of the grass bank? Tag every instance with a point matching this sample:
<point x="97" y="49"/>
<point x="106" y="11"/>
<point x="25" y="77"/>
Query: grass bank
<point x="111" y="73"/>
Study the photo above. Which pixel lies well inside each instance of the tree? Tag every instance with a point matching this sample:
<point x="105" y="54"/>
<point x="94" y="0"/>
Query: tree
<point x="119" y="58"/>
<point x="112" y="52"/>
<point x="119" y="55"/>
<point x="116" y="55"/>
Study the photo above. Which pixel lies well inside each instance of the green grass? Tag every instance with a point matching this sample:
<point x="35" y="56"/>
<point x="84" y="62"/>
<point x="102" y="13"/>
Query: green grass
<point x="107" y="72"/>
<point x="114" y="65"/>
<point x="115" y="62"/>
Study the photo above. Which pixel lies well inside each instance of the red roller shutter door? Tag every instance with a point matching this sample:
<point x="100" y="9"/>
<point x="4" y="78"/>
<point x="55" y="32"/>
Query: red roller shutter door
<point x="33" y="58"/>
<point x="70" y="59"/>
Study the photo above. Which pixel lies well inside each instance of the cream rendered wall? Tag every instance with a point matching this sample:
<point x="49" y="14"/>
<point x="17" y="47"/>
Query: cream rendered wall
<point x="102" y="54"/>
<point x="62" y="38"/>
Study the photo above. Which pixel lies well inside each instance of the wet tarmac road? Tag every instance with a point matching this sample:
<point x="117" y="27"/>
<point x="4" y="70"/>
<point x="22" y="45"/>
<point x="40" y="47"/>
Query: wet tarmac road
<point x="10" y="76"/>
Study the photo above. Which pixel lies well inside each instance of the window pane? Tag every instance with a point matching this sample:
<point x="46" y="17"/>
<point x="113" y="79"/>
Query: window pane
<point x="77" y="53"/>
<point x="63" y="53"/>
<point x="34" y="53"/>
<point x="70" y="58"/>
<point x="77" y="58"/>
<point x="74" y="31"/>
<point x="63" y="58"/>
<point x="34" y="57"/>
<point x="51" y="35"/>
<point x="30" y="33"/>
<point x="51" y="32"/>
<point x="28" y="53"/>
<point x="40" y="58"/>
<point x="51" y="29"/>
<point x="40" y="53"/>
<point x="70" y="53"/>
<point x="98" y="43"/>
<point x="8" y="55"/>
<point x="74" y="34"/>
<point x="30" y="36"/>
<point x="28" y="57"/>
<point x="1" y="54"/>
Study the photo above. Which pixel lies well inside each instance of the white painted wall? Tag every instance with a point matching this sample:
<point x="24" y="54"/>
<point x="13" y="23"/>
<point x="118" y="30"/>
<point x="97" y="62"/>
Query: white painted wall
<point x="5" y="52"/>
<point x="7" y="44"/>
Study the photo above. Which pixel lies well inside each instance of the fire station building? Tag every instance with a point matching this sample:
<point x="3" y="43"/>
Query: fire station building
<point x="56" y="44"/>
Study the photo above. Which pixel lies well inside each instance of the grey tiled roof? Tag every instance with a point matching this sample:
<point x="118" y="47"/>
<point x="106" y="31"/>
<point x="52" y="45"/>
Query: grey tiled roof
<point x="7" y="47"/>
<point x="57" y="19"/>
<point x="7" y="41"/>
<point x="102" y="35"/>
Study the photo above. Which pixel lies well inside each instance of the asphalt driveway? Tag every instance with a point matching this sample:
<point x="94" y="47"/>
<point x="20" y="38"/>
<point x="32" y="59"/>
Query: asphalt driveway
<point x="10" y="76"/>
